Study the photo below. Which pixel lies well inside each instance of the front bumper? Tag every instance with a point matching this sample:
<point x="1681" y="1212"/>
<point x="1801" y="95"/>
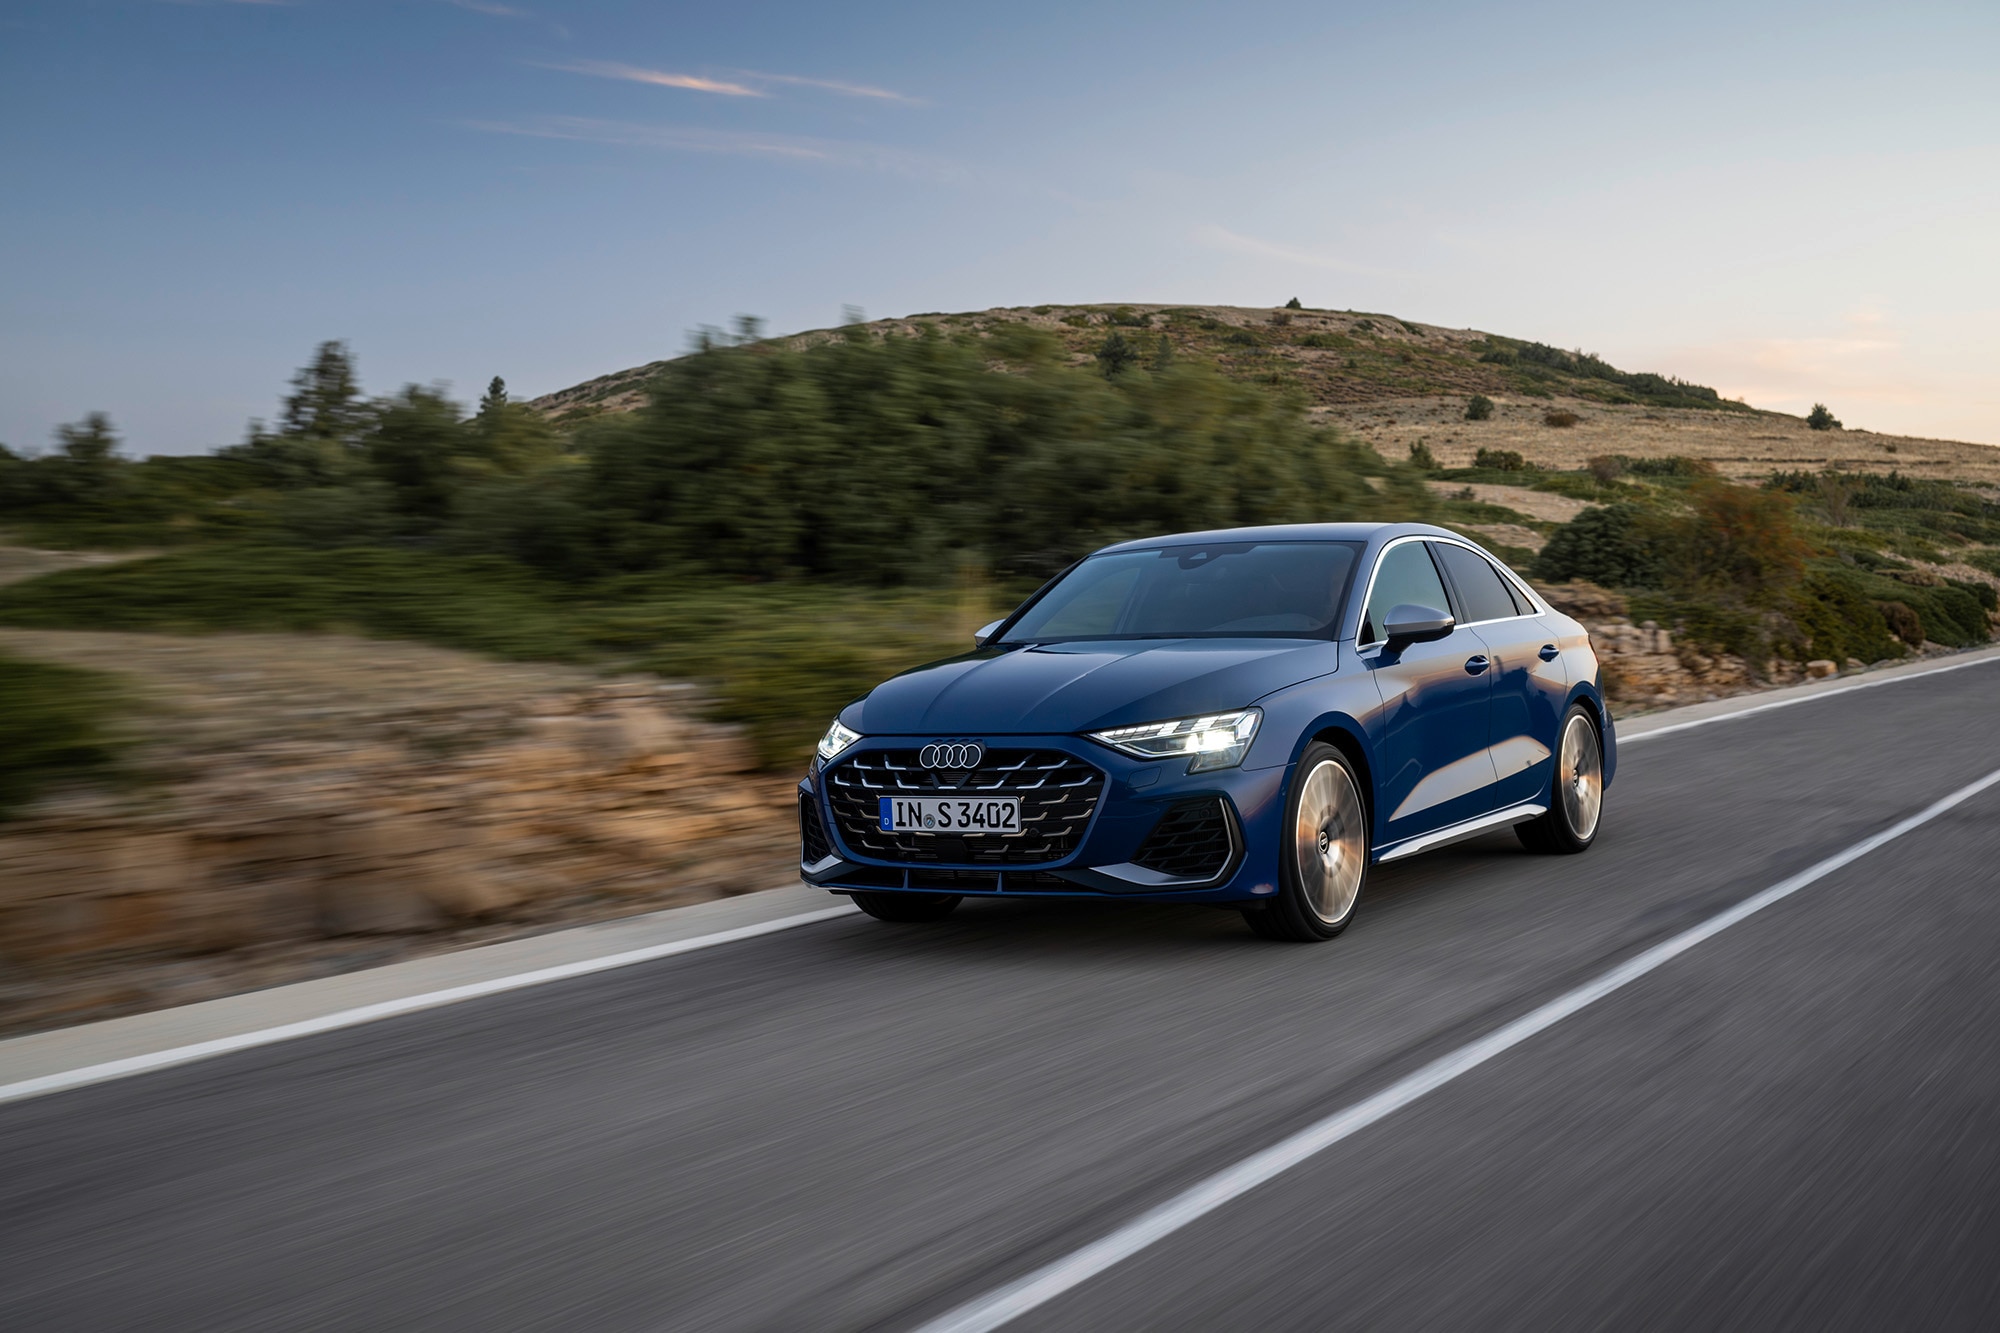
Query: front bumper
<point x="1136" y="796"/>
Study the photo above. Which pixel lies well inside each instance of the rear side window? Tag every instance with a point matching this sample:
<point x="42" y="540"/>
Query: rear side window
<point x="1481" y="590"/>
<point x="1405" y="576"/>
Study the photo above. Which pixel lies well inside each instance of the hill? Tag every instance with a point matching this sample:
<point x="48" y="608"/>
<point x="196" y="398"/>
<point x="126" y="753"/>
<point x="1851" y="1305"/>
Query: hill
<point x="1395" y="383"/>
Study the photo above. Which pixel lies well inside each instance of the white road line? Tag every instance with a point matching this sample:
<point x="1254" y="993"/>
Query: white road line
<point x="369" y="1013"/>
<point x="1017" y="1298"/>
<point x="1624" y="741"/>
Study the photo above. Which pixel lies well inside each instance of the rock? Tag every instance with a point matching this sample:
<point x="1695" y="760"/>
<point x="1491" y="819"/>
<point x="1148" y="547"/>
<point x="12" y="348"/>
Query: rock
<point x="1821" y="668"/>
<point x="1585" y="601"/>
<point x="374" y="904"/>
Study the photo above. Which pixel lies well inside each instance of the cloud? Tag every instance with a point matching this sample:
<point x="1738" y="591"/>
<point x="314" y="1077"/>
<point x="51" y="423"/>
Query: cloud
<point x="741" y="83"/>
<point x="830" y="85"/>
<point x="1221" y="238"/>
<point x="489" y="7"/>
<point x="612" y="69"/>
<point x="692" y="139"/>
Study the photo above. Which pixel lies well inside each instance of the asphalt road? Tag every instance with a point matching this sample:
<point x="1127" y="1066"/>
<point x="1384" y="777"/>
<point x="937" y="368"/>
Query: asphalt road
<point x="859" y="1126"/>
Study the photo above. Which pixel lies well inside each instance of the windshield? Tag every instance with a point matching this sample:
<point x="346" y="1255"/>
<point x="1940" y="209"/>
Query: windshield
<point x="1231" y="589"/>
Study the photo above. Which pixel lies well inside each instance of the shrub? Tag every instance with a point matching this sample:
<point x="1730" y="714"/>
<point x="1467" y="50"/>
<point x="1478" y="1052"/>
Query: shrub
<point x="1983" y="593"/>
<point x="1821" y="419"/>
<point x="1674" y="465"/>
<point x="1280" y="318"/>
<point x="1478" y="407"/>
<point x="1740" y="539"/>
<point x="1838" y="619"/>
<point x="1606" y="468"/>
<point x="54" y="725"/>
<point x="1421" y="457"/>
<point x="1617" y="546"/>
<point x="1294" y="304"/>
<point x="1500" y="460"/>
<point x="1561" y="418"/>
<point x="1904" y="623"/>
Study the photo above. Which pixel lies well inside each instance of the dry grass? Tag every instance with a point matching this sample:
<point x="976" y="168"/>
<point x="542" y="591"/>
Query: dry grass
<point x="1740" y="445"/>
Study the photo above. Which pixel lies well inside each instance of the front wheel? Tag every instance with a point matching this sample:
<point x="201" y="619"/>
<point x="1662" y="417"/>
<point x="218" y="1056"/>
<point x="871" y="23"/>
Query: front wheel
<point x="907" y="906"/>
<point x="1324" y="861"/>
<point x="1576" y="795"/>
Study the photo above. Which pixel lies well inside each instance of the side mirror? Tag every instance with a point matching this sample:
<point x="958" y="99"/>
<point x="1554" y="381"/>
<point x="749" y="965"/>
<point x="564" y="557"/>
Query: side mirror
<point x="1407" y="624"/>
<point x="979" y="635"/>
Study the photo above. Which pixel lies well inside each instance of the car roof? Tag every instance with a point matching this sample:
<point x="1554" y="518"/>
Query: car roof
<point x="1284" y="532"/>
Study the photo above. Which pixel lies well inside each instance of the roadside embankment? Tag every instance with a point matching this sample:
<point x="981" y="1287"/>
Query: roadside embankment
<point x="300" y="805"/>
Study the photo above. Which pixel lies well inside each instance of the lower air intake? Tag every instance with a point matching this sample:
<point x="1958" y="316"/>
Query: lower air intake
<point x="1191" y="841"/>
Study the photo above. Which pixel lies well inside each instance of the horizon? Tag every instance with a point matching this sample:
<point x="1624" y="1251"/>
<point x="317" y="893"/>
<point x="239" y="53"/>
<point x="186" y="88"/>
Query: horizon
<point x="1790" y="205"/>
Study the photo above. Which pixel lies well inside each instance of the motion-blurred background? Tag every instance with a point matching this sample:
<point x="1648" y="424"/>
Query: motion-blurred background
<point x="301" y="670"/>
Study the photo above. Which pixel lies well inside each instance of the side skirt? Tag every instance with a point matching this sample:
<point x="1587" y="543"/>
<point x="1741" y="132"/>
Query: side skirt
<point x="1471" y="828"/>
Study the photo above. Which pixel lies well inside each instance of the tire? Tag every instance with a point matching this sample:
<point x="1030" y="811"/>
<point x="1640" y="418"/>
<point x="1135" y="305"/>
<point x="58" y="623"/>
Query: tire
<point x="1323" y="862"/>
<point x="907" y="906"/>
<point x="1576" y="791"/>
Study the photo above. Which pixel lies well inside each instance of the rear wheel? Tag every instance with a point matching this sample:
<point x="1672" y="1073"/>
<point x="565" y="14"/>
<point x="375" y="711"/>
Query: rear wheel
<point x="1324" y="861"/>
<point x="1576" y="793"/>
<point x="907" y="906"/>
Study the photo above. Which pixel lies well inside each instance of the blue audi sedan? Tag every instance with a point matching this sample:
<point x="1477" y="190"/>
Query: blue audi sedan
<point x="1250" y="718"/>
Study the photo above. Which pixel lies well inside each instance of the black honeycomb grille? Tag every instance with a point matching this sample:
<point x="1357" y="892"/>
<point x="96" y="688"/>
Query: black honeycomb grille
<point x="1191" y="841"/>
<point x="813" y="846"/>
<point x="1058" y="792"/>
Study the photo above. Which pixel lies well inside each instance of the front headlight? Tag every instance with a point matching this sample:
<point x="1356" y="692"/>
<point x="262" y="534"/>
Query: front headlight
<point x="1219" y="740"/>
<point x="837" y="738"/>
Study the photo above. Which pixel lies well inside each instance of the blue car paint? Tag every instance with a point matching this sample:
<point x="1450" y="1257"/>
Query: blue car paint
<point x="1405" y="717"/>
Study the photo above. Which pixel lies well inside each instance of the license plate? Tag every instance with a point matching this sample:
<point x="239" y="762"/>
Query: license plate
<point x="951" y="814"/>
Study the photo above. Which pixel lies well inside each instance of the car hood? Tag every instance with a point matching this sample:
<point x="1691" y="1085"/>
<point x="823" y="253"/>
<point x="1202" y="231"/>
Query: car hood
<point x="1070" y="687"/>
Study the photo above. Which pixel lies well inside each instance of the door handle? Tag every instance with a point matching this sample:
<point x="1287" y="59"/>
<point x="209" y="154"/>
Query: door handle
<point x="1550" y="652"/>
<point x="1476" y="664"/>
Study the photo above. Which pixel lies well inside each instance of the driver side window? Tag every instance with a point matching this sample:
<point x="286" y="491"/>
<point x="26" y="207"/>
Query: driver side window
<point x="1406" y="575"/>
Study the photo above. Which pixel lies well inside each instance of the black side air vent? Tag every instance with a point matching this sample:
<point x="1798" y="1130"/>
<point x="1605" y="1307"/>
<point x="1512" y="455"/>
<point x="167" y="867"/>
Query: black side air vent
<point x="812" y="834"/>
<point x="1191" y="841"/>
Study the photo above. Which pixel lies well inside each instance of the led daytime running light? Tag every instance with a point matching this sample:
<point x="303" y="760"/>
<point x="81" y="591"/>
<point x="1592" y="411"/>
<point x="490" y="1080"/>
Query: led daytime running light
<point x="1217" y="740"/>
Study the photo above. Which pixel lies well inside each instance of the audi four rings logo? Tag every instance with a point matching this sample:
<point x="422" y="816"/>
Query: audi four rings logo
<point x="951" y="754"/>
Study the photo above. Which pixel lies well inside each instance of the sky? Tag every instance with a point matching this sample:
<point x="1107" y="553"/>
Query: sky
<point x="1792" y="203"/>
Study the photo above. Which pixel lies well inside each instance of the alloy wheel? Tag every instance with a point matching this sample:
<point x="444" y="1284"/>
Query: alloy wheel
<point x="1330" y="842"/>
<point x="1580" y="777"/>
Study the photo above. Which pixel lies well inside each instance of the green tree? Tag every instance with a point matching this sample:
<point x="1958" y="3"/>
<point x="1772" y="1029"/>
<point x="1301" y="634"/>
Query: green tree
<point x="509" y="437"/>
<point x="321" y="425"/>
<point x="84" y="474"/>
<point x="419" y="446"/>
<point x="1478" y="407"/>
<point x="496" y="396"/>
<point x="1294" y="304"/>
<point x="1115" y="354"/>
<point x="1822" y="419"/>
<point x="325" y="402"/>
